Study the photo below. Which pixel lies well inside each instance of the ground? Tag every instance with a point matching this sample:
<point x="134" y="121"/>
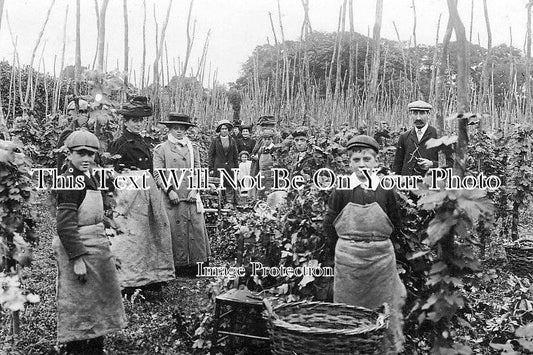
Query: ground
<point x="160" y="323"/>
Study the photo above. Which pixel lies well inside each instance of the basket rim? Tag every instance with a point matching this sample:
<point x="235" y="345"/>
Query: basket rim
<point x="380" y="322"/>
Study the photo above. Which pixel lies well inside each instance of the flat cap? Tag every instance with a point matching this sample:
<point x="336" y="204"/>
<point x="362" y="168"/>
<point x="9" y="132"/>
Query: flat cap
<point x="299" y="132"/>
<point x="82" y="139"/>
<point x="419" y="105"/>
<point x="363" y="141"/>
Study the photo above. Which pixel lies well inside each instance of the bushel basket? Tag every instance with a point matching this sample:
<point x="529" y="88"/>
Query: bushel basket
<point x="520" y="256"/>
<point x="326" y="328"/>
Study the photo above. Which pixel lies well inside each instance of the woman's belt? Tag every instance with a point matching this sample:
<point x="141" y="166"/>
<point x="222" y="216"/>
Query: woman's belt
<point x="365" y="237"/>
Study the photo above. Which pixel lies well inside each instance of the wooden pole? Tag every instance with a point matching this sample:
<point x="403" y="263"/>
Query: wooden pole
<point x="126" y="48"/>
<point x="101" y="37"/>
<point x="372" y="91"/>
<point x="77" y="68"/>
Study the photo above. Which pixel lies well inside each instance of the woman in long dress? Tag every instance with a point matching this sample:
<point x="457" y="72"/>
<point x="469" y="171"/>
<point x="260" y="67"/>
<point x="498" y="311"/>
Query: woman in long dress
<point x="190" y="244"/>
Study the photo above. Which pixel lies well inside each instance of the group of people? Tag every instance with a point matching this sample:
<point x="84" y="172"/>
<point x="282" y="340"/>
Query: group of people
<point x="162" y="229"/>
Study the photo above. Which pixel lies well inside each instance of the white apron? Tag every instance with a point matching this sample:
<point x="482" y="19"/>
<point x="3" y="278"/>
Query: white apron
<point x="365" y="265"/>
<point x="94" y="308"/>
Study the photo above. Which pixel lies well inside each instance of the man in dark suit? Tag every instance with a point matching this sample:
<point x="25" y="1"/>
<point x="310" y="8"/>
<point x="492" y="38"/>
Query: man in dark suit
<point x="412" y="155"/>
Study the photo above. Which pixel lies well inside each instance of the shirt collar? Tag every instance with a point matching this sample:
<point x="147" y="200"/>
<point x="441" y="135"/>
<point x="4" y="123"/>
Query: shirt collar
<point x="422" y="130"/>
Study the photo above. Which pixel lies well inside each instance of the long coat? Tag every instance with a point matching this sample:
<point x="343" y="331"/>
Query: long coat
<point x="409" y="148"/>
<point x="187" y="225"/>
<point x="223" y="158"/>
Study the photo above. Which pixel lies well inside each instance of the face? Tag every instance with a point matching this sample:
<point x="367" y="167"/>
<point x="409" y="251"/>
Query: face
<point x="178" y="131"/>
<point x="244" y="158"/>
<point x="82" y="159"/>
<point x="224" y="131"/>
<point x="419" y="118"/>
<point x="245" y="133"/>
<point x="267" y="140"/>
<point x="364" y="158"/>
<point x="300" y="143"/>
<point x="236" y="130"/>
<point x="134" y="125"/>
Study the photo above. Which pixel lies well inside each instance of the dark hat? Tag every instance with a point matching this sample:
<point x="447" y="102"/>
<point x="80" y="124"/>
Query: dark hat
<point x="299" y="132"/>
<point x="363" y="141"/>
<point x="82" y="139"/>
<point x="176" y="118"/>
<point x="248" y="127"/>
<point x="266" y="121"/>
<point x="137" y="107"/>
<point x="419" y="105"/>
<point x="236" y="124"/>
<point x="223" y="123"/>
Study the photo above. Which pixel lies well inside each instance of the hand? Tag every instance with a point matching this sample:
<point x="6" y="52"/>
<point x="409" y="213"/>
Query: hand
<point x="425" y="163"/>
<point x="192" y="195"/>
<point x="211" y="172"/>
<point x="173" y="196"/>
<point x="80" y="270"/>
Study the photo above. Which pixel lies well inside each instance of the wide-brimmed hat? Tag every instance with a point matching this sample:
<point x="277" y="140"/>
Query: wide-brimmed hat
<point x="266" y="121"/>
<point x="82" y="139"/>
<point x="363" y="141"/>
<point x="245" y="152"/>
<point x="137" y="107"/>
<point x="176" y="118"/>
<point x="223" y="123"/>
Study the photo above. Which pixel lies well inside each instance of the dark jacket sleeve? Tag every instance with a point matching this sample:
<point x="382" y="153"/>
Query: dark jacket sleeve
<point x="334" y="208"/>
<point x="211" y="156"/>
<point x="235" y="157"/>
<point x="67" y="224"/>
<point x="435" y="154"/>
<point x="399" y="157"/>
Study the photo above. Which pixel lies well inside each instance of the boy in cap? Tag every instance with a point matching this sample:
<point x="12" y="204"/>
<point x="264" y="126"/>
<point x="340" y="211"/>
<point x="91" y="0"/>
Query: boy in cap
<point x="358" y="225"/>
<point x="412" y="156"/>
<point x="89" y="303"/>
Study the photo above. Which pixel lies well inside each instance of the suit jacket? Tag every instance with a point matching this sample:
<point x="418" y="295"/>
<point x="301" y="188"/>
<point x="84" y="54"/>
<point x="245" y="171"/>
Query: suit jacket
<point x="221" y="158"/>
<point x="408" y="149"/>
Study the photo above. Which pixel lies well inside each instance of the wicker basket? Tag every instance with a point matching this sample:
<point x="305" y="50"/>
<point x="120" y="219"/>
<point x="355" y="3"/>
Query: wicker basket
<point x="520" y="255"/>
<point x="326" y="328"/>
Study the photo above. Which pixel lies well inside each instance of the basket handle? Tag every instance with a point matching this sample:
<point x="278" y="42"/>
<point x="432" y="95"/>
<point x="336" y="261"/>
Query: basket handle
<point x="269" y="309"/>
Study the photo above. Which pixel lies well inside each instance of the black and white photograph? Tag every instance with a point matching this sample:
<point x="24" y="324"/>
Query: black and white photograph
<point x="256" y="177"/>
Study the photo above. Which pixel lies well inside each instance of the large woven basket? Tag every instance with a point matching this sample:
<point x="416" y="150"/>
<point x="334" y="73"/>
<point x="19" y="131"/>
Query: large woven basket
<point x="520" y="256"/>
<point x="326" y="328"/>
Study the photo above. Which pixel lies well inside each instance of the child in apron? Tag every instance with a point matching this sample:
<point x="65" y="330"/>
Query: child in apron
<point x="358" y="224"/>
<point x="89" y="303"/>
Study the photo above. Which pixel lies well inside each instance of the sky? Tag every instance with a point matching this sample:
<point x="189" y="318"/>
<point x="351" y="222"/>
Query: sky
<point x="236" y="27"/>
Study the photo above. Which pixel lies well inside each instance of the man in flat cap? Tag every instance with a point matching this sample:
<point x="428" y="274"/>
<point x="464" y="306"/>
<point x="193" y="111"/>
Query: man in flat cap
<point x="265" y="123"/>
<point x="412" y="155"/>
<point x="301" y="143"/>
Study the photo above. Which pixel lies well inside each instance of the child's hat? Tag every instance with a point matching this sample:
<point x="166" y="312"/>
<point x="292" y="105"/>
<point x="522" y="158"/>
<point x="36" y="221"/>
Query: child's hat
<point x="221" y="123"/>
<point x="363" y="141"/>
<point x="82" y="139"/>
<point x="244" y="152"/>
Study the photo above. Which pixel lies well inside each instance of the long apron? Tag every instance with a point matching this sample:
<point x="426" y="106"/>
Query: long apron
<point x="94" y="308"/>
<point x="365" y="266"/>
<point x="145" y="246"/>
